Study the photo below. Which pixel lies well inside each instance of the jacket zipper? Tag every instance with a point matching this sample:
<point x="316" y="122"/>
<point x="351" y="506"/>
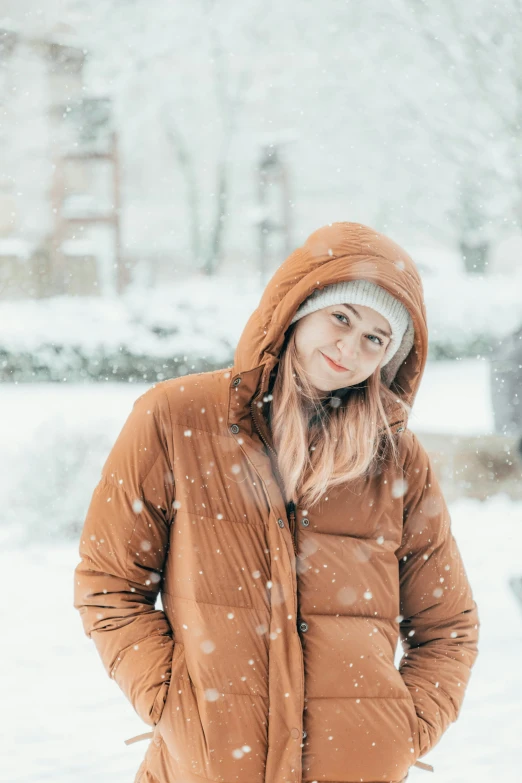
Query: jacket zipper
<point x="290" y="507"/>
<point x="290" y="510"/>
<point x="291" y="516"/>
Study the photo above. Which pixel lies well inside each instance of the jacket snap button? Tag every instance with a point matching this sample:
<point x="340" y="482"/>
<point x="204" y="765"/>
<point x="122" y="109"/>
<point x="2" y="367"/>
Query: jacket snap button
<point x="303" y="627"/>
<point x="295" y="733"/>
<point x="280" y="523"/>
<point x="234" y="428"/>
<point x="236" y="381"/>
<point x="305" y="522"/>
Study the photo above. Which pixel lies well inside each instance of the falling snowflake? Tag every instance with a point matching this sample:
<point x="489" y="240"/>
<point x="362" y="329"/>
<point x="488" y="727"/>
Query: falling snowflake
<point x="347" y="595"/>
<point x="399" y="488"/>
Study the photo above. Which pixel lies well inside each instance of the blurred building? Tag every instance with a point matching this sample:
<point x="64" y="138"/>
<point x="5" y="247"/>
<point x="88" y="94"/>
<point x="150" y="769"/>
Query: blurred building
<point x="59" y="178"/>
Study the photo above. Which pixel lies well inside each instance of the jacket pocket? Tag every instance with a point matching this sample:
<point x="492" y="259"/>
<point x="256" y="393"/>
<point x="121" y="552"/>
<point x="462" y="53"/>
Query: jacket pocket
<point x="161" y="697"/>
<point x="180" y="726"/>
<point x="420" y="736"/>
<point x="177" y="668"/>
<point x="415" y="727"/>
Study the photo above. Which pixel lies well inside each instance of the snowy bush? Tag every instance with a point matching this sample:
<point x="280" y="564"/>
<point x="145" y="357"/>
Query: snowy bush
<point x="470" y="316"/>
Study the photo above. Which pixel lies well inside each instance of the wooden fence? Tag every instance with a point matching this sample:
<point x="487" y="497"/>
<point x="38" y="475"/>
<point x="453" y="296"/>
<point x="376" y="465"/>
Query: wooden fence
<point x="475" y="466"/>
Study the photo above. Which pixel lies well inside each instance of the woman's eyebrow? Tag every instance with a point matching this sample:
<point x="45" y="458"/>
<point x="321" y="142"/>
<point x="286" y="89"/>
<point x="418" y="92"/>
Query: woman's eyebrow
<point x="359" y="316"/>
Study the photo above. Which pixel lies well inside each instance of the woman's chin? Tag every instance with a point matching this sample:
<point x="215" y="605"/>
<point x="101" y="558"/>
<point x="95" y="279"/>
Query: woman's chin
<point x="322" y="383"/>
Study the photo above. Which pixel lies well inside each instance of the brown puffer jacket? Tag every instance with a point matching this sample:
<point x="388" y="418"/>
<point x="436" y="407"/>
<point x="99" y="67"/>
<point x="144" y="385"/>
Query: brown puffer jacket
<point x="264" y="667"/>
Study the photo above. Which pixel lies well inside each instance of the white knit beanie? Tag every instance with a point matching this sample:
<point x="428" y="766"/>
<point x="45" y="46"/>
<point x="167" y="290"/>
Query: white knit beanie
<point x="364" y="292"/>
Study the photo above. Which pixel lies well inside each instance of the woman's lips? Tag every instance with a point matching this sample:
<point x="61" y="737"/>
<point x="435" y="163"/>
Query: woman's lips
<point x="333" y="365"/>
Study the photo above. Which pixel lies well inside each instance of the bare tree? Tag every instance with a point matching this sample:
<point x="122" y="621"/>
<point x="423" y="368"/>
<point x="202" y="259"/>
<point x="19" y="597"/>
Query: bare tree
<point x="182" y="55"/>
<point x="476" y="55"/>
<point x="230" y="100"/>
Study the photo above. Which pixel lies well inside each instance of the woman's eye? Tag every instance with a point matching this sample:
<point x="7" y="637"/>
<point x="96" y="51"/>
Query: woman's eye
<point x="373" y="337"/>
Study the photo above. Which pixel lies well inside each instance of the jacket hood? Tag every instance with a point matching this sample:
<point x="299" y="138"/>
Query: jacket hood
<point x="335" y="253"/>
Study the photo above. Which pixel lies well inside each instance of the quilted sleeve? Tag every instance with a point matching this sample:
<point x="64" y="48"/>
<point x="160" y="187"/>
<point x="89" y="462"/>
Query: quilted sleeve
<point x="123" y="547"/>
<point x="439" y="627"/>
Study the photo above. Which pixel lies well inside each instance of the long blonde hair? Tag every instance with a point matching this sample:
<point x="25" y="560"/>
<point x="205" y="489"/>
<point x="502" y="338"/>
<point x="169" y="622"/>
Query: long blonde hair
<point x="322" y="445"/>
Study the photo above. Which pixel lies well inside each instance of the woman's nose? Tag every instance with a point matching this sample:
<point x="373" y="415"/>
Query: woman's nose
<point x="349" y="348"/>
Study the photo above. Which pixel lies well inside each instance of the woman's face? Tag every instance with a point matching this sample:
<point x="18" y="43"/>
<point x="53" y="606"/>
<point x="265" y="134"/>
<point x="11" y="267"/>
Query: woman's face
<point x="341" y="345"/>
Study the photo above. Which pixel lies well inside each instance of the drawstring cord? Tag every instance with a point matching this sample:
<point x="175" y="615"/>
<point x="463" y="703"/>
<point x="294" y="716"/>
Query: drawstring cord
<point x="139" y="737"/>
<point x="150" y="735"/>
<point x="422" y="765"/>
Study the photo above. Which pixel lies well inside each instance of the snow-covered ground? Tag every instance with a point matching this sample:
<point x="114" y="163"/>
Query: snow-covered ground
<point x="454" y="397"/>
<point x="64" y="719"/>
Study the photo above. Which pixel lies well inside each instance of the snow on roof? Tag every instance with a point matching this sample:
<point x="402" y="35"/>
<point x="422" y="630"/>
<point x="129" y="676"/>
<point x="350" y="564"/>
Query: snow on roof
<point x="13" y="246"/>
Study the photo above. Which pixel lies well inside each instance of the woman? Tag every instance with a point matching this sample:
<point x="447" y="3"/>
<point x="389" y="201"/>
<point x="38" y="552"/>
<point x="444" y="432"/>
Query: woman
<point x="295" y="529"/>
